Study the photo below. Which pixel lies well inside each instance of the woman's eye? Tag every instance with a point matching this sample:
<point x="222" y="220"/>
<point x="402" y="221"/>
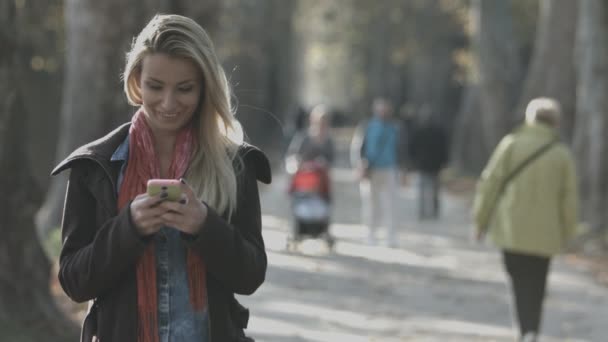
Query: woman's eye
<point x="154" y="86"/>
<point x="185" y="89"/>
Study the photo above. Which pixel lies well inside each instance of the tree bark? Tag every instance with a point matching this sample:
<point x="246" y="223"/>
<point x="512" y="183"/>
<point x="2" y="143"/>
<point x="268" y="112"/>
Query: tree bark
<point x="592" y="111"/>
<point x="500" y="68"/>
<point x="247" y="50"/>
<point x="468" y="152"/>
<point x="485" y="113"/>
<point x="551" y="72"/>
<point x="98" y="34"/>
<point x="26" y="304"/>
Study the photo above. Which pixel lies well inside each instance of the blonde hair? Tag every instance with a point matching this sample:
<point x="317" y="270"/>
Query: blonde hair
<point x="545" y="110"/>
<point x="212" y="172"/>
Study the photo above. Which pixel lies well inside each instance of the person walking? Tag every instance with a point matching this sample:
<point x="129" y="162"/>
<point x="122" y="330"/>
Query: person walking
<point x="316" y="142"/>
<point x="157" y="269"/>
<point x="428" y="152"/>
<point x="374" y="151"/>
<point x="527" y="202"/>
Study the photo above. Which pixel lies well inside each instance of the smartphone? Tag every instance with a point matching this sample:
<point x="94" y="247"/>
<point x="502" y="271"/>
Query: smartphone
<point x="172" y="187"/>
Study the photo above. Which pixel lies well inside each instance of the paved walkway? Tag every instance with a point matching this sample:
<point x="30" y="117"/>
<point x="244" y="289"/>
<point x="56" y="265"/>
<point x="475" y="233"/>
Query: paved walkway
<point x="437" y="286"/>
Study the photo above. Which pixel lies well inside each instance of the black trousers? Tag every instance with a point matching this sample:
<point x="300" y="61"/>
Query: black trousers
<point x="528" y="274"/>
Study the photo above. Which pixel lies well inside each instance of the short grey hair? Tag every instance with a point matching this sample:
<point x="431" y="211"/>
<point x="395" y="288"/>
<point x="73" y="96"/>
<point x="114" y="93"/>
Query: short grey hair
<point x="545" y="110"/>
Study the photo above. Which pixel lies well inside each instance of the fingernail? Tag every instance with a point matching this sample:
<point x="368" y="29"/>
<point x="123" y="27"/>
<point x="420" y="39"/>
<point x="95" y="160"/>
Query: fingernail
<point x="163" y="195"/>
<point x="182" y="180"/>
<point x="182" y="201"/>
<point x="163" y="188"/>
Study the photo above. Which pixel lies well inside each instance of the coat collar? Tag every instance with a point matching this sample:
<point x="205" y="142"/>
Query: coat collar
<point x="538" y="129"/>
<point x="100" y="150"/>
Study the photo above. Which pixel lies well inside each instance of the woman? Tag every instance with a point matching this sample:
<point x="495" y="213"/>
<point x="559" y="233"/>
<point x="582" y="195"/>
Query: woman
<point x="536" y="214"/>
<point x="162" y="270"/>
<point x="316" y="143"/>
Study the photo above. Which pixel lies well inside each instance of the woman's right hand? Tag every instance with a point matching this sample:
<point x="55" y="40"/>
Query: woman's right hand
<point x="146" y="213"/>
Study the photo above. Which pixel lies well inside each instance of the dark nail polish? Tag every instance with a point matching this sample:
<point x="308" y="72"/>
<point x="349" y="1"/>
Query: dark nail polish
<point x="163" y="188"/>
<point x="163" y="195"/>
<point x="182" y="201"/>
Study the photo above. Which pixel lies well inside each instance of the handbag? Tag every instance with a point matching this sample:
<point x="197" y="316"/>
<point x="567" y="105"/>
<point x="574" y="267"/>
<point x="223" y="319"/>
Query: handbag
<point x="503" y="186"/>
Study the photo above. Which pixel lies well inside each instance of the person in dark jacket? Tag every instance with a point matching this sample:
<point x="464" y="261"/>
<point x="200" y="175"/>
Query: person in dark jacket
<point x="154" y="269"/>
<point x="428" y="151"/>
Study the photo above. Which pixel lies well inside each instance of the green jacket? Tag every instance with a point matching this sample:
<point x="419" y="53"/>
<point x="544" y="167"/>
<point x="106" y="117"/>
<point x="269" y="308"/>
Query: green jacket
<point x="537" y="213"/>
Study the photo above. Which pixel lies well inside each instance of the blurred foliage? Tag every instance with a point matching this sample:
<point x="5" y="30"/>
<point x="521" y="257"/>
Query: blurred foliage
<point x="52" y="244"/>
<point x="41" y="34"/>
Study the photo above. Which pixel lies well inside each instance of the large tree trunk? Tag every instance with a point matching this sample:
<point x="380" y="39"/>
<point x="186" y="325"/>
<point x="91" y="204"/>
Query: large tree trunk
<point x="468" y="152"/>
<point x="98" y="34"/>
<point x="485" y="113"/>
<point x="591" y="129"/>
<point x="247" y="52"/>
<point x="551" y="72"/>
<point x="500" y="68"/>
<point x="431" y="64"/>
<point x="27" y="309"/>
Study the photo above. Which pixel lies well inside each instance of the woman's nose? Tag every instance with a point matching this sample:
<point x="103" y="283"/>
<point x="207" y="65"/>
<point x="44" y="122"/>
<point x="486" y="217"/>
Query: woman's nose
<point x="169" y="101"/>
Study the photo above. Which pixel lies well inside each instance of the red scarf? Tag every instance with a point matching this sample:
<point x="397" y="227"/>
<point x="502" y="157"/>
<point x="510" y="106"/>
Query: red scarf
<point x="143" y="165"/>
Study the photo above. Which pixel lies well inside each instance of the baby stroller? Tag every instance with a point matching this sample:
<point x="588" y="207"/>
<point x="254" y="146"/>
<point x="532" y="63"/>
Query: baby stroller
<point x="310" y="203"/>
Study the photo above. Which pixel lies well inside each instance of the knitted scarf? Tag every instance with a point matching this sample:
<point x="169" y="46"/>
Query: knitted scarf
<point x="142" y="166"/>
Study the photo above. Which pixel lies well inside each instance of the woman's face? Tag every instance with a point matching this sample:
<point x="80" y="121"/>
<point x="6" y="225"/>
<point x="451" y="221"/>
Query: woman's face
<point x="170" y="91"/>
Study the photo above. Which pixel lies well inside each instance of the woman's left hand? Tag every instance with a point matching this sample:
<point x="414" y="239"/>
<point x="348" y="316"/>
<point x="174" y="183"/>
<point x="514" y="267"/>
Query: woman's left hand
<point x="187" y="215"/>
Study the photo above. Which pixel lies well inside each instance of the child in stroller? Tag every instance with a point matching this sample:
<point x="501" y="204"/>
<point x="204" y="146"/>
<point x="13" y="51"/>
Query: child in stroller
<point x="311" y="202"/>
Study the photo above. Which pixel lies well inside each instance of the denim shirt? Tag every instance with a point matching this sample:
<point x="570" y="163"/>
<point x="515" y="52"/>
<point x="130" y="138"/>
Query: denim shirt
<point x="177" y="321"/>
<point x="381" y="140"/>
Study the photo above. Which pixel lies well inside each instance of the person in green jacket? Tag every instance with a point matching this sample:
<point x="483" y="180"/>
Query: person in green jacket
<point x="535" y="214"/>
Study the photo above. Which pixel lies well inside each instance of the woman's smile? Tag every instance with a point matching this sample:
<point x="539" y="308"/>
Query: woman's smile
<point x="171" y="91"/>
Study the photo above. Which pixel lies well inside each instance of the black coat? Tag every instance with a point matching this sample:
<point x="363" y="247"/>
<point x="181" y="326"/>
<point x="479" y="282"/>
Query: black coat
<point x="428" y="147"/>
<point x="101" y="246"/>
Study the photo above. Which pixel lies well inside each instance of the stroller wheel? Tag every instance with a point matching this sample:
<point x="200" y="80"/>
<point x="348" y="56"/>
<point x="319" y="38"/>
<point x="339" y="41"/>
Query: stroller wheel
<point x="293" y="240"/>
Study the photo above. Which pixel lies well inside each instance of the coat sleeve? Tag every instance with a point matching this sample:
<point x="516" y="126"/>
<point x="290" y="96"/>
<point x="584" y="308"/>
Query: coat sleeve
<point x="234" y="251"/>
<point x="489" y="184"/>
<point x="93" y="258"/>
<point x="357" y="145"/>
<point x="569" y="199"/>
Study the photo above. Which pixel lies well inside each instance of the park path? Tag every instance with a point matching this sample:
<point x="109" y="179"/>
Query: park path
<point x="436" y="286"/>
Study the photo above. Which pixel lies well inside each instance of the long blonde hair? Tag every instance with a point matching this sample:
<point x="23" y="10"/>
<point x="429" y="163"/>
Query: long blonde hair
<point x="211" y="172"/>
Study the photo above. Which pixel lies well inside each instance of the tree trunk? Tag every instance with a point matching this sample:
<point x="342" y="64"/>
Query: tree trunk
<point x="98" y="34"/>
<point x="592" y="110"/>
<point x="431" y="64"/>
<point x="246" y="50"/>
<point x="551" y="72"/>
<point x="485" y="113"/>
<point x="27" y="309"/>
<point x="468" y="153"/>
<point x="500" y="67"/>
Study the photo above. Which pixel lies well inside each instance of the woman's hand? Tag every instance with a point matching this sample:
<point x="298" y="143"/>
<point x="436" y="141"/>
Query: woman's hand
<point x="146" y="213"/>
<point x="187" y="215"/>
<point x="479" y="234"/>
